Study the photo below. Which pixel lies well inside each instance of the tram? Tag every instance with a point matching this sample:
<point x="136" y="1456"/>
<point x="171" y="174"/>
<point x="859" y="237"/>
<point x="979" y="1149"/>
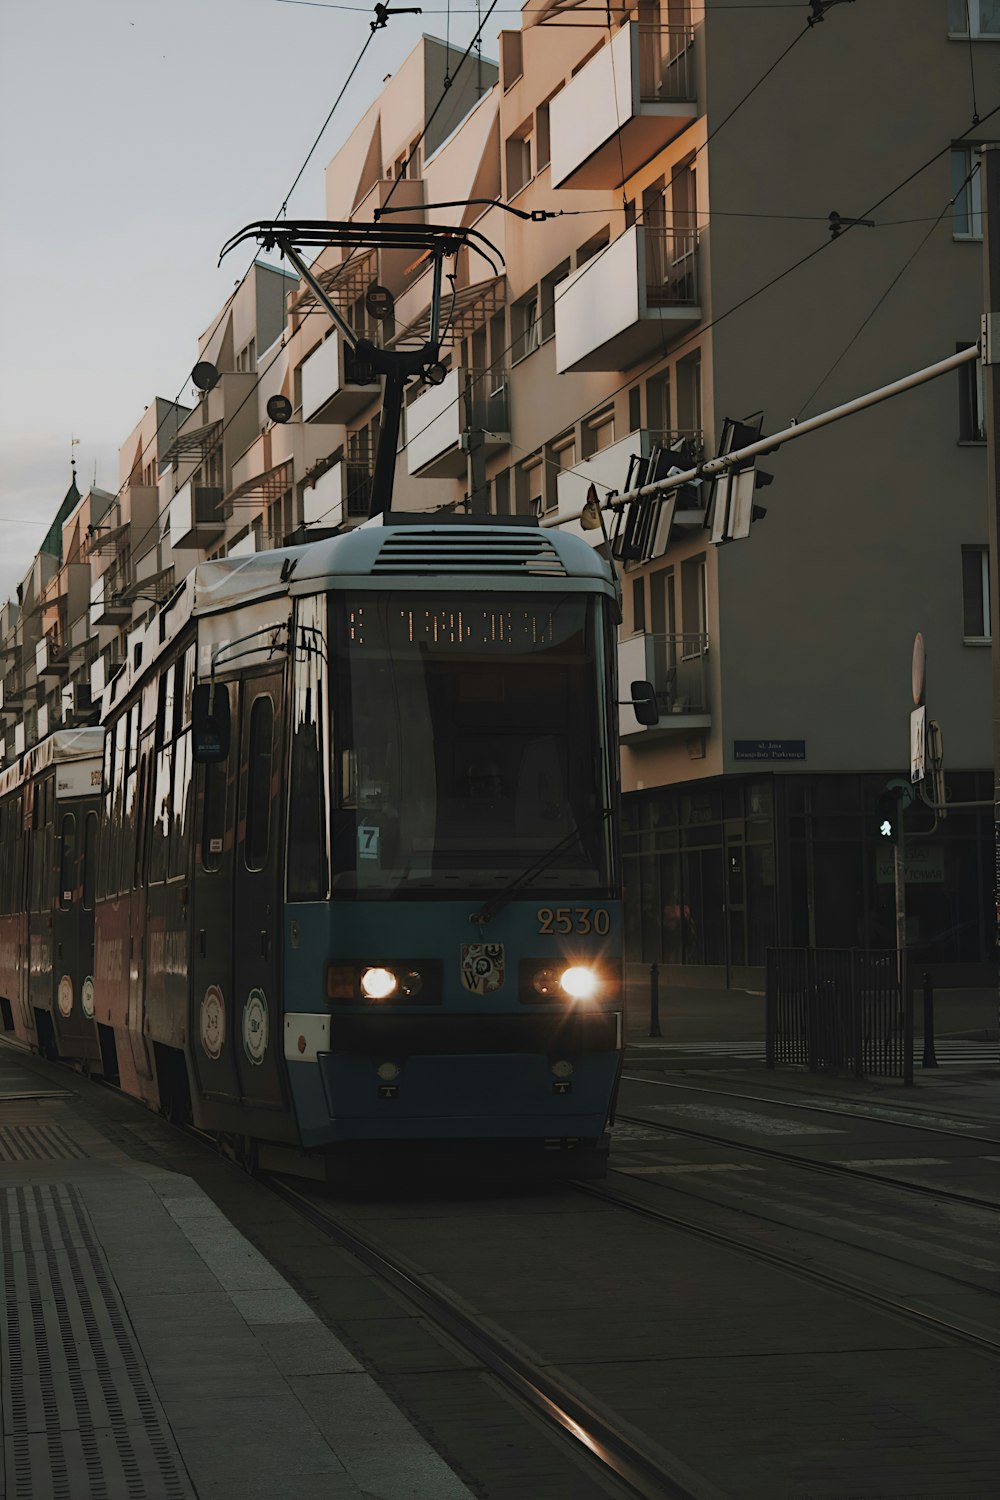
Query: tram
<point x="359" y="878"/>
<point x="49" y="808"/>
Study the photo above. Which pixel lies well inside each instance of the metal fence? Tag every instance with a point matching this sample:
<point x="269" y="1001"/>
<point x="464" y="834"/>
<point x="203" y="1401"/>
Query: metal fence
<point x="840" y="1010"/>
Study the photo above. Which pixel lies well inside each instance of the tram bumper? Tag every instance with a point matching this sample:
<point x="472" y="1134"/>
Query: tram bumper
<point x="544" y="1078"/>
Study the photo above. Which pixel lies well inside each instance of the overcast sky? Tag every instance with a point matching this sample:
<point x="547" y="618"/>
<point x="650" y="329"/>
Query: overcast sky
<point x="137" y="136"/>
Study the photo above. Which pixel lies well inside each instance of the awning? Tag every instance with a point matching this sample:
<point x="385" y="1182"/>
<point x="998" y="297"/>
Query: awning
<point x="262" y="489"/>
<point x="474" y="306"/>
<point x="195" y="443"/>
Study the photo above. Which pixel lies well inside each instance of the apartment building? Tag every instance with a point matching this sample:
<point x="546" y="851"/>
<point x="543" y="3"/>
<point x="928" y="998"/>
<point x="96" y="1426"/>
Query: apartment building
<point x="656" y="192"/>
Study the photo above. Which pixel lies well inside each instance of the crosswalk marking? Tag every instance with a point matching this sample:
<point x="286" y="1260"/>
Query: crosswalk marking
<point x="953" y="1053"/>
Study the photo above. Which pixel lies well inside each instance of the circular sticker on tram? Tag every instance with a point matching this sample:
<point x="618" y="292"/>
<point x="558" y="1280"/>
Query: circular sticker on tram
<point x="64" y="996"/>
<point x="87" y="997"/>
<point x="255" y="1026"/>
<point x="212" y="1023"/>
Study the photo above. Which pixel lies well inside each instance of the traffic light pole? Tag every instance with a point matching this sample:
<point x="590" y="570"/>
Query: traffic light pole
<point x="990" y="156"/>
<point x="739" y="457"/>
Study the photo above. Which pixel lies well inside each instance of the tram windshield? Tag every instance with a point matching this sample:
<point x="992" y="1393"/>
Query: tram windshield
<point x="470" y="741"/>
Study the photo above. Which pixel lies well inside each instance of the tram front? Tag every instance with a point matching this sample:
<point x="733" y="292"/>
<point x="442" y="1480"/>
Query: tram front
<point x="453" y="797"/>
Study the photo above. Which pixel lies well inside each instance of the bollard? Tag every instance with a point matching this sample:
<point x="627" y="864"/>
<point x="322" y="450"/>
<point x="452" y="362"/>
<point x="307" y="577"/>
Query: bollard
<point x="929" y="1059"/>
<point x="654" y="1000"/>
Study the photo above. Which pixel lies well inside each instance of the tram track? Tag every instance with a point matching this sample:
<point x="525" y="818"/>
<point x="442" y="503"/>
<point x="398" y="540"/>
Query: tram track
<point x="844" y="1283"/>
<point x="813" y="1164"/>
<point x="841" y="1110"/>
<point x="634" y="1467"/>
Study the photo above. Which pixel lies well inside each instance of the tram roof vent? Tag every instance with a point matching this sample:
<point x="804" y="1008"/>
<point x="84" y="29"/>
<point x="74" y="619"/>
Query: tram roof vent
<point x="469" y="550"/>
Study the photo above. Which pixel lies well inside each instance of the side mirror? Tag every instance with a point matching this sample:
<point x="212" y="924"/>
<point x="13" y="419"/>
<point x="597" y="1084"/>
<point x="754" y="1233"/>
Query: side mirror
<point x="210" y="722"/>
<point x="644" y="703"/>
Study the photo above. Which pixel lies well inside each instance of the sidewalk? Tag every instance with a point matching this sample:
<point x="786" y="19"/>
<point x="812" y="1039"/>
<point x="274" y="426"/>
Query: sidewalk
<point x="149" y="1349"/>
<point x="690" y="1013"/>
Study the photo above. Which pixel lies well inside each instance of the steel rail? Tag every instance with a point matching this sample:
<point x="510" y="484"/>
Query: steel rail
<point x="812" y="1164"/>
<point x="826" y="1279"/>
<point x="822" y="1109"/>
<point x="642" y="1473"/>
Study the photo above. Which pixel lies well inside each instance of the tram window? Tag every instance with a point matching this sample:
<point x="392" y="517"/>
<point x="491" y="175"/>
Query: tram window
<point x="5" y="864"/>
<point x="67" y="861"/>
<point x="159" y="823"/>
<point x="308" y="873"/>
<point x="258" y="813"/>
<point x="180" y="825"/>
<point x="90" y="838"/>
<point x="213" y="824"/>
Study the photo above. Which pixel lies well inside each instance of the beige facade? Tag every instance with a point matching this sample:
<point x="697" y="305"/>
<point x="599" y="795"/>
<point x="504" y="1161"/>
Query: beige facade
<point x="637" y="316"/>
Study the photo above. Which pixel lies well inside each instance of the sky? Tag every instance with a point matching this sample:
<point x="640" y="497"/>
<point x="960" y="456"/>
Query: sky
<point x="136" y="138"/>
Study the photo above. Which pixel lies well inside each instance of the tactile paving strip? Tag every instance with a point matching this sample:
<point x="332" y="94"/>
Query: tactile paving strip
<point x="38" y="1143"/>
<point x="80" y="1418"/>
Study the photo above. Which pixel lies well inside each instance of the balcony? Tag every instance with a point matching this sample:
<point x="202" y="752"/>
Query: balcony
<point x="678" y="668"/>
<point x="193" y="519"/>
<point x="334" y="387"/>
<point x="51" y="657"/>
<point x="635" y="297"/>
<point x="624" y="106"/>
<point x="342" y="493"/>
<point x="439" y="419"/>
<point x="108" y="606"/>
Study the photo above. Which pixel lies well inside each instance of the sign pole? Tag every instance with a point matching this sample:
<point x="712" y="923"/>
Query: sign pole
<point x="990" y="157"/>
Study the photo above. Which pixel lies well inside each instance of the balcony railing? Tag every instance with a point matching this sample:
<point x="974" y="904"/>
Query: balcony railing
<point x="678" y="667"/>
<point x="469" y="399"/>
<point x="671" y="265"/>
<point x="623" y="107"/>
<point x="666" y="63"/>
<point x="680" y="672"/>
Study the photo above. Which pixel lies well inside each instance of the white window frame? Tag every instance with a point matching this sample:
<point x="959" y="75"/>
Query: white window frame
<point x="967" y="209"/>
<point x="973" y="26"/>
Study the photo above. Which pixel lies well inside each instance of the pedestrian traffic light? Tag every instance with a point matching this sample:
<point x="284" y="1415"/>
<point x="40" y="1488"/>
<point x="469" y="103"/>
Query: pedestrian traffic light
<point x="887" y="812"/>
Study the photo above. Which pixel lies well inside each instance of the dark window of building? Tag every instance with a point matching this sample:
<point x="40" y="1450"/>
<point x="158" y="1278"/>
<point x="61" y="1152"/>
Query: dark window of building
<point x="635" y="409"/>
<point x="638" y="604"/>
<point x="976" y="623"/>
<point x="971" y="403"/>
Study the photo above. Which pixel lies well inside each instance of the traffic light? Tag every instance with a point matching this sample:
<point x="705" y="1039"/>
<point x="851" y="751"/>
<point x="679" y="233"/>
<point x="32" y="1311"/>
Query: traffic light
<point x="887" y="815"/>
<point x="732" y="507"/>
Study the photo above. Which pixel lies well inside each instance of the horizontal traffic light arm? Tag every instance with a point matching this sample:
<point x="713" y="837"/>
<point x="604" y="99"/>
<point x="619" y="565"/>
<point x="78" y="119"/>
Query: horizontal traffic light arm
<point x="741" y="457"/>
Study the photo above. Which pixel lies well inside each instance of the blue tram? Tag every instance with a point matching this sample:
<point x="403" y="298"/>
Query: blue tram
<point x="359" y="877"/>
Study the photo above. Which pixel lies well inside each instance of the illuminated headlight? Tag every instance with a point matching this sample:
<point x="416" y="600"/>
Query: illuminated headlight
<point x="378" y="984"/>
<point x="579" y="982"/>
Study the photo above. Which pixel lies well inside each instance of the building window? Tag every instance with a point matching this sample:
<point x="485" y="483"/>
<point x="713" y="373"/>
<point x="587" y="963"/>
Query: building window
<point x="246" y="360"/>
<point x="635" y="409"/>
<point x="971" y="402"/>
<point x="526" y="328"/>
<point x="598" y="431"/>
<point x="593" y="246"/>
<point x="975" y="18"/>
<point x="501" y="493"/>
<point x="530" y="485"/>
<point x="511" y="65"/>
<point x="543" y="149"/>
<point x="638" y="605"/>
<point x="549" y="298"/>
<point x="689" y="393"/>
<point x="966" y="191"/>
<point x="976" y="623"/>
<point x="519" y="171"/>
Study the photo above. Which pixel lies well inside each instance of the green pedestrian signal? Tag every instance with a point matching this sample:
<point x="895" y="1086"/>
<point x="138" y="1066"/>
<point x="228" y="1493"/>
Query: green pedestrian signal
<point x="887" y="815"/>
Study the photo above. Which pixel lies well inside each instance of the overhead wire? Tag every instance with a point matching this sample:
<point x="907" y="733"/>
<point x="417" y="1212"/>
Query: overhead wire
<point x="217" y="324"/>
<point x="864" y="324"/>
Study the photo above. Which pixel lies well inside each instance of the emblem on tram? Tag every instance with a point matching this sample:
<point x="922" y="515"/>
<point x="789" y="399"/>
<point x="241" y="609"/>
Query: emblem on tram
<point x="255" y="1026"/>
<point x="87" y="997"/>
<point x="65" y="996"/>
<point x="482" y="967"/>
<point x="212" y="1023"/>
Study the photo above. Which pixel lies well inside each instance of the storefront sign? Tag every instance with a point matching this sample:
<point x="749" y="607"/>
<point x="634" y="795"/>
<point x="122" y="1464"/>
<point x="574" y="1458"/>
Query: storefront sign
<point x="769" y="749"/>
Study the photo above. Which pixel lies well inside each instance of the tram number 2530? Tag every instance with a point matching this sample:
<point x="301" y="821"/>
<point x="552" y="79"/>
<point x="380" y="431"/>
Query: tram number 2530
<point x="561" y="920"/>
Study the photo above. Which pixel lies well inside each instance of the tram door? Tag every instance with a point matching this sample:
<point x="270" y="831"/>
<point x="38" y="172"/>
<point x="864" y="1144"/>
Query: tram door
<point x="258" y="1030"/>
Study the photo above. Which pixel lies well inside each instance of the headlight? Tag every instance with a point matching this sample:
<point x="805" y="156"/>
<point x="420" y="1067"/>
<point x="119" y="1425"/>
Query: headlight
<point x="579" y="983"/>
<point x="546" y="982"/>
<point x="378" y="984"/>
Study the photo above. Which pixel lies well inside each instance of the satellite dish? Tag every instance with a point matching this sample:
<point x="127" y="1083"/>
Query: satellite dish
<point x="435" y="375"/>
<point x="205" y="375"/>
<point x="380" y="302"/>
<point x="279" y="409"/>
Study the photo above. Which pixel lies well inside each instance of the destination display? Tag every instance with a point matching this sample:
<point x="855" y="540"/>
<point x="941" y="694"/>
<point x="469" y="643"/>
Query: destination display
<point x="477" y="628"/>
